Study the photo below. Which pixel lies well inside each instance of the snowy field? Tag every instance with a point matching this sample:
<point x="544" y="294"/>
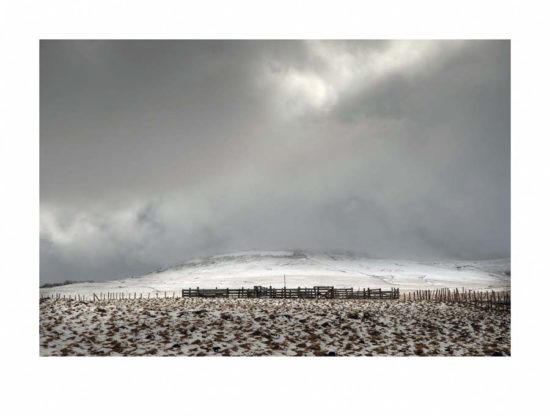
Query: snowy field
<point x="305" y="269"/>
<point x="258" y="327"/>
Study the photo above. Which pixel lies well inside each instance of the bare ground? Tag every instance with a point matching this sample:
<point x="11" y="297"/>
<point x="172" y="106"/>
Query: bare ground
<point x="258" y="327"/>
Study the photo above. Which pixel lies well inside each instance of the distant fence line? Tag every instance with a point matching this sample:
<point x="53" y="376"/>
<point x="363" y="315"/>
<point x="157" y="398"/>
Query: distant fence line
<point x="499" y="300"/>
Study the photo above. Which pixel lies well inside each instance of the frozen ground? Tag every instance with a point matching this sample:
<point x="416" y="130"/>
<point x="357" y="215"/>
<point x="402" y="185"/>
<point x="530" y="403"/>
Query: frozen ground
<point x="244" y="327"/>
<point x="305" y="269"/>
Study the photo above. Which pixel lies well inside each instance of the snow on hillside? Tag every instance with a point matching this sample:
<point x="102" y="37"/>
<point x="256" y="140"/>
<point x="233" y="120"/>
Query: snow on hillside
<point x="305" y="269"/>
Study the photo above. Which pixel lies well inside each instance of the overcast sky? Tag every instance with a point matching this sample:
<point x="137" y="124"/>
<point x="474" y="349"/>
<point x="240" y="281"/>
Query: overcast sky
<point x="153" y="152"/>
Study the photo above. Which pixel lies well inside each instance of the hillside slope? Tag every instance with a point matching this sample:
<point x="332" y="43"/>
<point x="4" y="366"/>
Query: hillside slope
<point x="306" y="269"/>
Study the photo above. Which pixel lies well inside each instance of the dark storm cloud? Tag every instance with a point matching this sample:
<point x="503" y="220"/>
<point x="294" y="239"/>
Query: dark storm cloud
<point x="157" y="151"/>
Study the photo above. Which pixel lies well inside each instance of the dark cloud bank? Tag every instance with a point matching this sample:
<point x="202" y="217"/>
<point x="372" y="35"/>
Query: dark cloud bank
<point x="156" y="151"/>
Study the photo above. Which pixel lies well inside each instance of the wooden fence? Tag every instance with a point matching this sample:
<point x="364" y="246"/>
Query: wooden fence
<point x="111" y="295"/>
<point x="316" y="292"/>
<point x="499" y="300"/>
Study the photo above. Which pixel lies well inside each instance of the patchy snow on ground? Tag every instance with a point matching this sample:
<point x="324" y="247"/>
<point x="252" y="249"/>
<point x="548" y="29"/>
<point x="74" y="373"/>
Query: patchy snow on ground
<point x="247" y="269"/>
<point x="269" y="327"/>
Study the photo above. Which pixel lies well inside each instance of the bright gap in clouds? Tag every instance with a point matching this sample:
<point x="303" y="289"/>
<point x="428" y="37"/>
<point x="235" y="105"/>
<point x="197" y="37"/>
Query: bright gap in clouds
<point x="341" y="70"/>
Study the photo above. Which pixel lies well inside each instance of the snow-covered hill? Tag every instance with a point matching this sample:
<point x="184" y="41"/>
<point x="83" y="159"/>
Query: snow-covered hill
<point x="306" y="269"/>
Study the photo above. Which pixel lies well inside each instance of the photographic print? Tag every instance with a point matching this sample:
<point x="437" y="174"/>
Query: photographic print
<point x="275" y="198"/>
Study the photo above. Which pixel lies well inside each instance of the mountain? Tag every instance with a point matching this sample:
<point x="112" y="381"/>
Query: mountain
<point x="299" y="268"/>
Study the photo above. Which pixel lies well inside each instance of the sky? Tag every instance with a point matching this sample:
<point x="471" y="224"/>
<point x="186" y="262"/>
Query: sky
<point x="154" y="152"/>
